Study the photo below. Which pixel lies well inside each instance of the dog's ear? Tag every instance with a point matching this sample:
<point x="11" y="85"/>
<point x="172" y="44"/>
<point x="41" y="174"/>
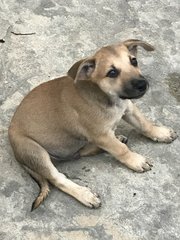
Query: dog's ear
<point x="132" y="45"/>
<point x="82" y="69"/>
<point x="73" y="70"/>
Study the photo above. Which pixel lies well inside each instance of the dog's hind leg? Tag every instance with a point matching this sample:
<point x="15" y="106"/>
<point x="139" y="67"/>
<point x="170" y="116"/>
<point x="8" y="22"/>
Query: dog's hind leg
<point x="36" y="158"/>
<point x="122" y="138"/>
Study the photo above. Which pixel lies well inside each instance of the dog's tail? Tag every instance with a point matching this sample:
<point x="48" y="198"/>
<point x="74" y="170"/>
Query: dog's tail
<point x="44" y="188"/>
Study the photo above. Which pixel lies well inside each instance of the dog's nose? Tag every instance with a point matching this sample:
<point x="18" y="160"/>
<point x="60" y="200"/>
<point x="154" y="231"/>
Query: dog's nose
<point x="139" y="84"/>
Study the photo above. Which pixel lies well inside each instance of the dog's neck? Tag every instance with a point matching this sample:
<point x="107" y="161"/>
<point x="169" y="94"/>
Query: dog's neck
<point x="92" y="92"/>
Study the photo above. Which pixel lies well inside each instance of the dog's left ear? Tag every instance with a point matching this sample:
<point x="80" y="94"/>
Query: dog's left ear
<point x="82" y="69"/>
<point x="132" y="45"/>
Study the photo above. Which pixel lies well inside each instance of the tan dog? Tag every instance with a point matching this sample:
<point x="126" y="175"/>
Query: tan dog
<point x="77" y="115"/>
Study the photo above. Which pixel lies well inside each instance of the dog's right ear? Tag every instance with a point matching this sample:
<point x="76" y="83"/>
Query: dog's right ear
<point x="73" y="70"/>
<point x="82" y="69"/>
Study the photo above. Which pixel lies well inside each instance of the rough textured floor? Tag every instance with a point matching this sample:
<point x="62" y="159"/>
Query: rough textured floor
<point x="57" y="33"/>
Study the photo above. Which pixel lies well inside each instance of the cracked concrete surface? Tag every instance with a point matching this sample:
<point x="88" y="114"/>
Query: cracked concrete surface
<point x="134" y="206"/>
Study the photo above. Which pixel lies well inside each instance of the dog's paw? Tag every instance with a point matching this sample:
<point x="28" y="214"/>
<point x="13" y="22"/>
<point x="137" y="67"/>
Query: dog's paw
<point x="163" y="134"/>
<point x="138" y="163"/>
<point x="122" y="138"/>
<point x="89" y="199"/>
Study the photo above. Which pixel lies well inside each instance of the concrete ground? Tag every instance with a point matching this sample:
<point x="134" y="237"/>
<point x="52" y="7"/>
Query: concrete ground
<point x="56" y="34"/>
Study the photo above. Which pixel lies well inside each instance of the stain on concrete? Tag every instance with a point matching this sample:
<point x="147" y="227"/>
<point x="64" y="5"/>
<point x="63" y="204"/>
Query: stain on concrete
<point x="173" y="81"/>
<point x="107" y="229"/>
<point x="9" y="188"/>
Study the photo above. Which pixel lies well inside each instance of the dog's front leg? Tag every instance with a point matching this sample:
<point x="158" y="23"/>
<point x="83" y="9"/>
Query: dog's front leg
<point x="120" y="151"/>
<point x="90" y="149"/>
<point x="157" y="133"/>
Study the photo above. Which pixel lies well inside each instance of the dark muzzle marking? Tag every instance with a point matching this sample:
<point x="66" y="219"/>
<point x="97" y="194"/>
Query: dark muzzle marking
<point x="134" y="88"/>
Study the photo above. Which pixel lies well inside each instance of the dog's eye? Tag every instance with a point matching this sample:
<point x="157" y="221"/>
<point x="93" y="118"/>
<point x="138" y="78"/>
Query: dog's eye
<point x="113" y="73"/>
<point x="134" y="61"/>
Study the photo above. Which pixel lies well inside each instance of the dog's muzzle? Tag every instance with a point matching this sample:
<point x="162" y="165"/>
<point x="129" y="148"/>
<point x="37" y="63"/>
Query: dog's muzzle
<point x="134" y="88"/>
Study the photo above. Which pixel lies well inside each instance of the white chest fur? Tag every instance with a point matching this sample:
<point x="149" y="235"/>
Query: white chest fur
<point x="116" y="113"/>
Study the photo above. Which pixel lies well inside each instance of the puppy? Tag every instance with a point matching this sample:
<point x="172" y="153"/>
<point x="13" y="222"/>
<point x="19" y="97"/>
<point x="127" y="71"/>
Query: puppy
<point x="76" y="115"/>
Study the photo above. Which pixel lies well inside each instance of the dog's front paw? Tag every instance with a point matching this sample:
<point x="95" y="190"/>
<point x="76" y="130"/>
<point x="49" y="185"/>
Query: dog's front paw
<point x="89" y="199"/>
<point x="138" y="163"/>
<point x="163" y="134"/>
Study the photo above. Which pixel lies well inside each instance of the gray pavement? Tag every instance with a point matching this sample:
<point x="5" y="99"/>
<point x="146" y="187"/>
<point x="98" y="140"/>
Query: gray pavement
<point x="57" y="33"/>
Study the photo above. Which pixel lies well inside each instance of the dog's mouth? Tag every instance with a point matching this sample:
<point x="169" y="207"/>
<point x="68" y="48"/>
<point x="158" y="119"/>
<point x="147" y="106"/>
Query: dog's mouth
<point x="135" y="88"/>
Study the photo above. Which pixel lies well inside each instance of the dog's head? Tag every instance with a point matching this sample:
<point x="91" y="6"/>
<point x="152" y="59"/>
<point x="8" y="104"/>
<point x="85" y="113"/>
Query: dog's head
<point x="114" y="69"/>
